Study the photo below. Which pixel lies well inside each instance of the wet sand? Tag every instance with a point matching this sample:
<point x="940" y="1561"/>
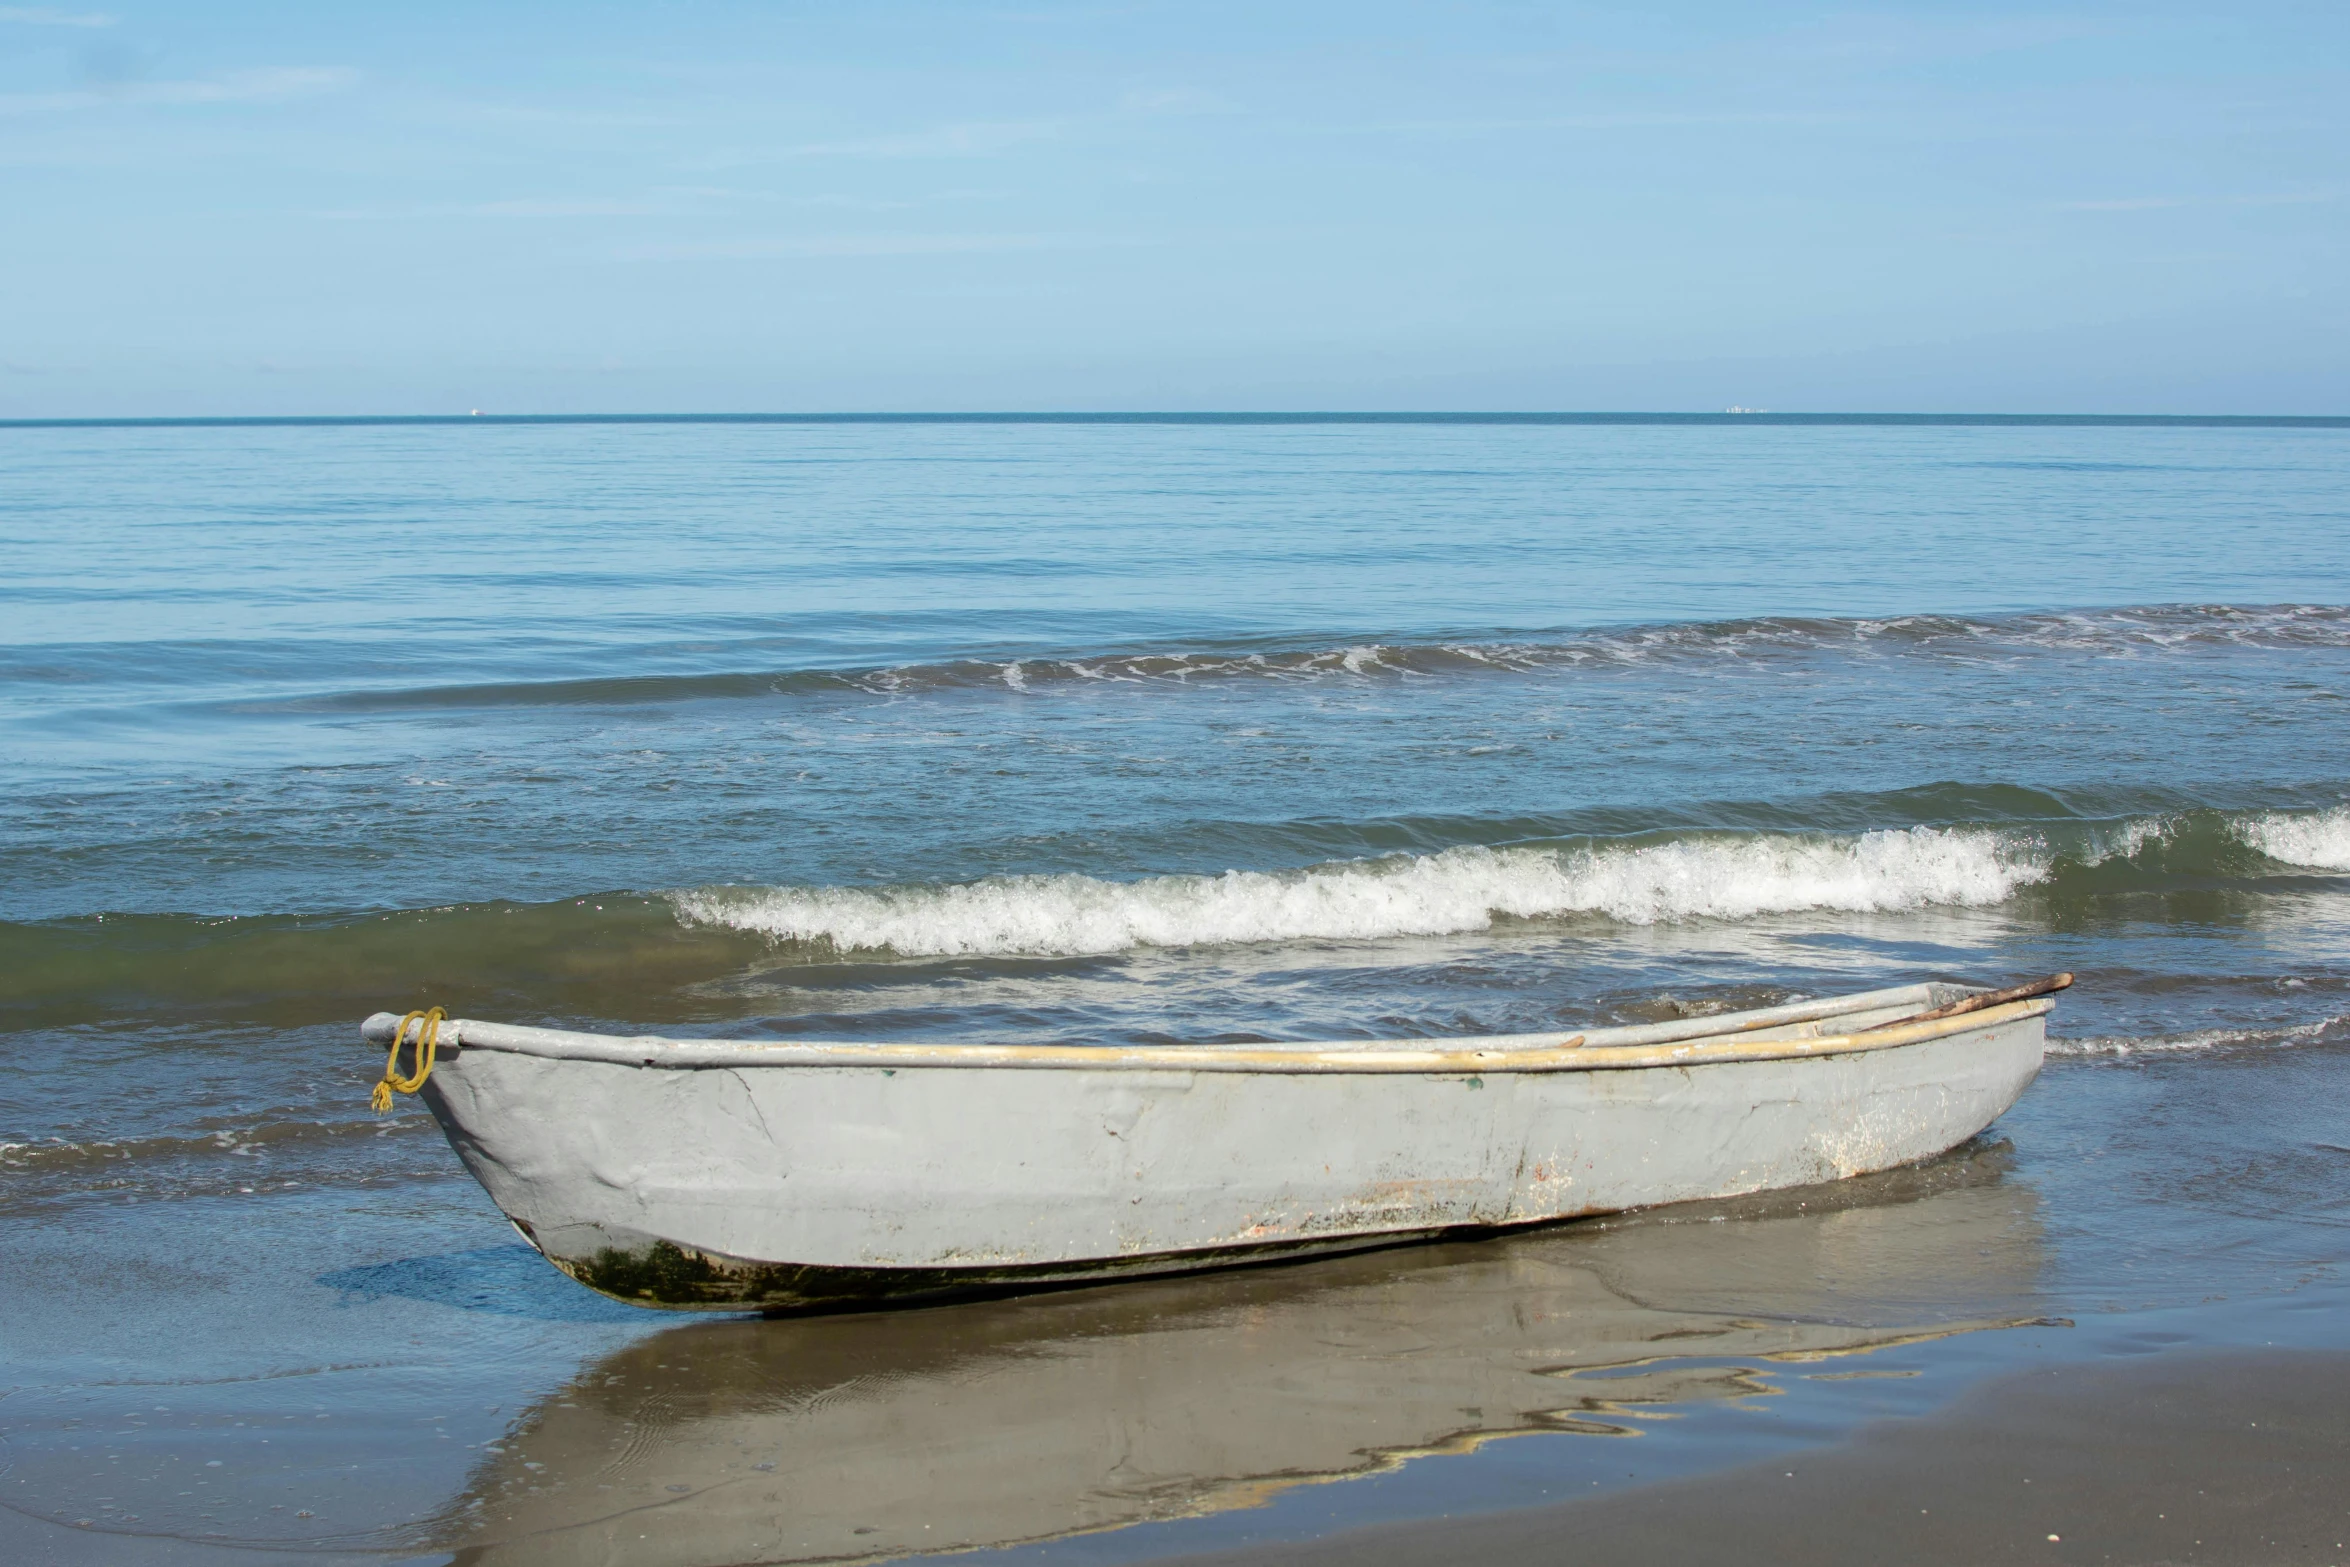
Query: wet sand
<point x="2239" y="1458"/>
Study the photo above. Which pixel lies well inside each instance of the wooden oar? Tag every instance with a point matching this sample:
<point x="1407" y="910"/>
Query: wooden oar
<point x="1989" y="998"/>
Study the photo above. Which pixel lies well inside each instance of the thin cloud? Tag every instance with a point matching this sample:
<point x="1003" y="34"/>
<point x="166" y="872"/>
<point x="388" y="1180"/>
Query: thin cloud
<point x="670" y="202"/>
<point x="565" y="209"/>
<point x="2285" y="198"/>
<point x="1175" y="100"/>
<point x="737" y="195"/>
<point x="983" y="139"/>
<point x="2123" y="204"/>
<point x="663" y="201"/>
<point x="2152" y="203"/>
<point x="1869" y="37"/>
<point x="299" y="81"/>
<point x="265" y="86"/>
<point x="1629" y="121"/>
<point x="469" y="112"/>
<point x="46" y="16"/>
<point x="831" y="200"/>
<point x="848" y="245"/>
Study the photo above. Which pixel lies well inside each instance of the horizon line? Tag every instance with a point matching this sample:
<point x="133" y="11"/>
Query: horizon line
<point x="1234" y="417"/>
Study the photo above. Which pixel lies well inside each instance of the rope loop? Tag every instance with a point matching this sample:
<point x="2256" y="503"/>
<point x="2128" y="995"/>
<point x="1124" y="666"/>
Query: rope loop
<point x="428" y="1037"/>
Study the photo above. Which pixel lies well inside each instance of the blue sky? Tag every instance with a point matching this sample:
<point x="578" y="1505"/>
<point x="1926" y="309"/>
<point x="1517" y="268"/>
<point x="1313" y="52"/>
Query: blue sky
<point x="237" y="208"/>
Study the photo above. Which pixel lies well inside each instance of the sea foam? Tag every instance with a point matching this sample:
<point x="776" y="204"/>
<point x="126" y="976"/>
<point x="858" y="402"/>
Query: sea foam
<point x="1455" y="890"/>
<point x="2320" y="840"/>
<point x="2197" y="1039"/>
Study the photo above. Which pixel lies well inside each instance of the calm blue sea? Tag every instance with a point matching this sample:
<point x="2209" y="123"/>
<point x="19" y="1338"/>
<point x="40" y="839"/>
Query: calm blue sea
<point x="1169" y="731"/>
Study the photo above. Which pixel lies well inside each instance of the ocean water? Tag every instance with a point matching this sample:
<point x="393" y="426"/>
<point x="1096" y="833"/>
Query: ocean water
<point x="1182" y="731"/>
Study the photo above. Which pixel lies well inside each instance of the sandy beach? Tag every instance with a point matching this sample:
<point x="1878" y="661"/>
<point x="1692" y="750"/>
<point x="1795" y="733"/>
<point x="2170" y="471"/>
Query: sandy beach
<point x="2237" y="1458"/>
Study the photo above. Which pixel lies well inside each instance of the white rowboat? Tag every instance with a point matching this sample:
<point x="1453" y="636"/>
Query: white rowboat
<point x="746" y="1174"/>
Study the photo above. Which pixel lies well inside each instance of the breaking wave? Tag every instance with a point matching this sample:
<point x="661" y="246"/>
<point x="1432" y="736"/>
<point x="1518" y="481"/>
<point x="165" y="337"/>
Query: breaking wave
<point x="2134" y="632"/>
<point x="2125" y="1045"/>
<point x="650" y="956"/>
<point x="1467" y="889"/>
<point x="1464" y="889"/>
<point x="2319" y="840"/>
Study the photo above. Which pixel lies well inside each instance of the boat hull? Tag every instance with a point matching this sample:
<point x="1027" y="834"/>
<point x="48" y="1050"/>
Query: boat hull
<point x="768" y="1186"/>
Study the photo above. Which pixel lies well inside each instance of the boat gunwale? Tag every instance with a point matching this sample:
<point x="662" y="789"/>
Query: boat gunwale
<point x="1561" y="1053"/>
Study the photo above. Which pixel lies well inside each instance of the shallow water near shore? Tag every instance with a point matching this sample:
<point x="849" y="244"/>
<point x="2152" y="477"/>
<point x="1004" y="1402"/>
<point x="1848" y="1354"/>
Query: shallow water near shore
<point x="1166" y="734"/>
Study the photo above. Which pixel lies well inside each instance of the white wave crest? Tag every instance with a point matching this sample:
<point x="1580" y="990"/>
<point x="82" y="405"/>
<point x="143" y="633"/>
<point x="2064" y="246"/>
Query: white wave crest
<point x="2320" y="840"/>
<point x="1457" y="890"/>
<point x="2199" y="1039"/>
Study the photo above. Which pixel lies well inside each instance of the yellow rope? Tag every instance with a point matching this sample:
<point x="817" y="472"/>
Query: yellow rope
<point x="428" y="1035"/>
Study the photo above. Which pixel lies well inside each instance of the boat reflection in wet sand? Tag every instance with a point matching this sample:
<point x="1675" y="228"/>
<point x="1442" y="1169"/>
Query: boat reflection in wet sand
<point x="720" y="1174"/>
<point x="996" y="1422"/>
